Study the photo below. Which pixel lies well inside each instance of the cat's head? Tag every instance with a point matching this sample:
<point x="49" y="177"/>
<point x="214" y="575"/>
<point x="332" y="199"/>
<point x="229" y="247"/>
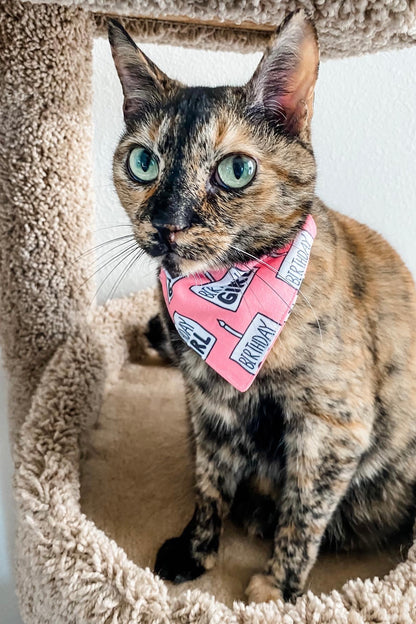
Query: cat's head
<point x="214" y="176"/>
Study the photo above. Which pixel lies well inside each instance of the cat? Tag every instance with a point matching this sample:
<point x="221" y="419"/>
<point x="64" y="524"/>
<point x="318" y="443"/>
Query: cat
<point x="320" y="450"/>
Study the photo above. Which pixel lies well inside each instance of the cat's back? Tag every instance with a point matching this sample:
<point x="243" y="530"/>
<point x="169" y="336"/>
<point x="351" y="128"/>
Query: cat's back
<point x="378" y="277"/>
<point x="381" y="290"/>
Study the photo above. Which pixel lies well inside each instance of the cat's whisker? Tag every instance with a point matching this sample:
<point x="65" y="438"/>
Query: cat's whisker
<point x="104" y="244"/>
<point x="314" y="313"/>
<point x="267" y="283"/>
<point x="119" y="249"/>
<point x="130" y="265"/>
<point x="123" y="245"/>
<point x="148" y="273"/>
<point x="253" y="292"/>
<point x="112" y="259"/>
<point x="269" y="266"/>
<point x="248" y="307"/>
<point x="125" y="255"/>
<point x="112" y="227"/>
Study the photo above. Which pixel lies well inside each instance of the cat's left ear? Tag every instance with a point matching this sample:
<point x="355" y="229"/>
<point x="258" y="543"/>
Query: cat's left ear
<point x="284" y="81"/>
<point x="144" y="84"/>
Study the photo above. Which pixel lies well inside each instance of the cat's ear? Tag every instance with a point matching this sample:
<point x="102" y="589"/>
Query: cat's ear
<point x="284" y="81"/>
<point x="144" y="84"/>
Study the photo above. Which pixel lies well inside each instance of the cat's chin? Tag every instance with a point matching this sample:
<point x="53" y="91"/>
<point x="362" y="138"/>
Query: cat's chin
<point x="177" y="266"/>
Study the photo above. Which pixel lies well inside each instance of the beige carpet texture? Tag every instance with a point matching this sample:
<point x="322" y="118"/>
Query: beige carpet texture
<point x="345" y="27"/>
<point x="103" y="470"/>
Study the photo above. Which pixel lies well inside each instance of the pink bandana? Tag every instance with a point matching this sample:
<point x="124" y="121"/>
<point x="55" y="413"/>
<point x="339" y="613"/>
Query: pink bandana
<point x="232" y="318"/>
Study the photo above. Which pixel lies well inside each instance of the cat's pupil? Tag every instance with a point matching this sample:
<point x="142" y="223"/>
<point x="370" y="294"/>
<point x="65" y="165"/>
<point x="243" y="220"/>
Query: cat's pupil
<point x="145" y="159"/>
<point x="238" y="167"/>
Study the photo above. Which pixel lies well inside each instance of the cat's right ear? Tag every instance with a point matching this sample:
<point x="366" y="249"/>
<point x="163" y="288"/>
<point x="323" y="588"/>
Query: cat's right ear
<point x="144" y="84"/>
<point x="284" y="81"/>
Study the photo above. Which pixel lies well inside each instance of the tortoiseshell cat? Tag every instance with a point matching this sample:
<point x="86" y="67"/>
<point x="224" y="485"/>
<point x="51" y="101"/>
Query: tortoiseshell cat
<point x="322" y="448"/>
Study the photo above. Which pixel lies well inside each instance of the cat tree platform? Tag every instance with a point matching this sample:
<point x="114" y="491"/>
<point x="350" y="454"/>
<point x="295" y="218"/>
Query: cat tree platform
<point x="103" y="471"/>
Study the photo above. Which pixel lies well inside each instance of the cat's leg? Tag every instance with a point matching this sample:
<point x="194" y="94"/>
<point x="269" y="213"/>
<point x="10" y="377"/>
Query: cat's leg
<point x="188" y="556"/>
<point x="158" y="339"/>
<point x="319" y="468"/>
<point x="255" y="509"/>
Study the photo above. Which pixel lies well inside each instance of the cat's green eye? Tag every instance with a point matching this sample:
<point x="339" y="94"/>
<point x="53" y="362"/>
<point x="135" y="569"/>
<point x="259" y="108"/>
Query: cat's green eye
<point x="142" y="165"/>
<point x="235" y="171"/>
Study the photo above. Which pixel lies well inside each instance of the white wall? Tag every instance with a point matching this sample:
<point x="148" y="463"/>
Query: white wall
<point x="365" y="141"/>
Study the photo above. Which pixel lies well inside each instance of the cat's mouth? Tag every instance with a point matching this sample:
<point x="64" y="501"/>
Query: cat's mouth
<point x="182" y="254"/>
<point x="177" y="260"/>
<point x="192" y="258"/>
<point x="178" y="265"/>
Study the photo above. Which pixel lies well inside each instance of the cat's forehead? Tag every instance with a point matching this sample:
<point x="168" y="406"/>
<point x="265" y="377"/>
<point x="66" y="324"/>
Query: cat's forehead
<point x="199" y="122"/>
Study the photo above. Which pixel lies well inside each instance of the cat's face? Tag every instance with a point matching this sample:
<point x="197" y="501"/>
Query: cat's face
<point x="212" y="176"/>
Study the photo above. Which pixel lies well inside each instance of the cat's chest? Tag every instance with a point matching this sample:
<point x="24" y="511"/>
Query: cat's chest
<point x="250" y="430"/>
<point x="264" y="424"/>
<point x="282" y="371"/>
<point x="250" y="424"/>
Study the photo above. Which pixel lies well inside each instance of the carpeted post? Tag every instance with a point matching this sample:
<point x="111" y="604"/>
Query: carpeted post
<point x="45" y="185"/>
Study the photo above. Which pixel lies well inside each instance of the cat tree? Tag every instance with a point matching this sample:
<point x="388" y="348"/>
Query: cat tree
<point x="73" y="385"/>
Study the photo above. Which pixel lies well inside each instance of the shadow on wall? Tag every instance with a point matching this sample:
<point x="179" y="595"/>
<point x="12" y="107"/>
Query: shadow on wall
<point x="8" y="601"/>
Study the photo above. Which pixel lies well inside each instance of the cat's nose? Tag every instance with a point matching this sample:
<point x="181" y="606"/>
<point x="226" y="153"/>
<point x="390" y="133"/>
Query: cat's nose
<point x="171" y="222"/>
<point x="168" y="233"/>
<point x="172" y="215"/>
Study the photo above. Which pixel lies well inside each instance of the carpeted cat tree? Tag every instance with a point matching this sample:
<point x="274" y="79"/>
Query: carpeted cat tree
<point x="103" y="470"/>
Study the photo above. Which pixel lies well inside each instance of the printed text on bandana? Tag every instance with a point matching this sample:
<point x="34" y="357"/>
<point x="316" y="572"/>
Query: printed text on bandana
<point x="170" y="281"/>
<point x="293" y="267"/>
<point x="228" y="291"/>
<point x="256" y="341"/>
<point x="195" y="336"/>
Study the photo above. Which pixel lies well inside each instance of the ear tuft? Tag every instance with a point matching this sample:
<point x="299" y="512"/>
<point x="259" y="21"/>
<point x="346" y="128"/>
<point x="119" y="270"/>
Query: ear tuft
<point x="144" y="84"/>
<point x="284" y="81"/>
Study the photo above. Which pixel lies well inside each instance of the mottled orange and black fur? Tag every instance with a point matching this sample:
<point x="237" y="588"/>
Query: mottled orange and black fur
<point x="322" y="447"/>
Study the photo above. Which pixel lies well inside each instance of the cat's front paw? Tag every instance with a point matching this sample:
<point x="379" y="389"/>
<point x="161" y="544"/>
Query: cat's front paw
<point x="262" y="588"/>
<point x="175" y="563"/>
